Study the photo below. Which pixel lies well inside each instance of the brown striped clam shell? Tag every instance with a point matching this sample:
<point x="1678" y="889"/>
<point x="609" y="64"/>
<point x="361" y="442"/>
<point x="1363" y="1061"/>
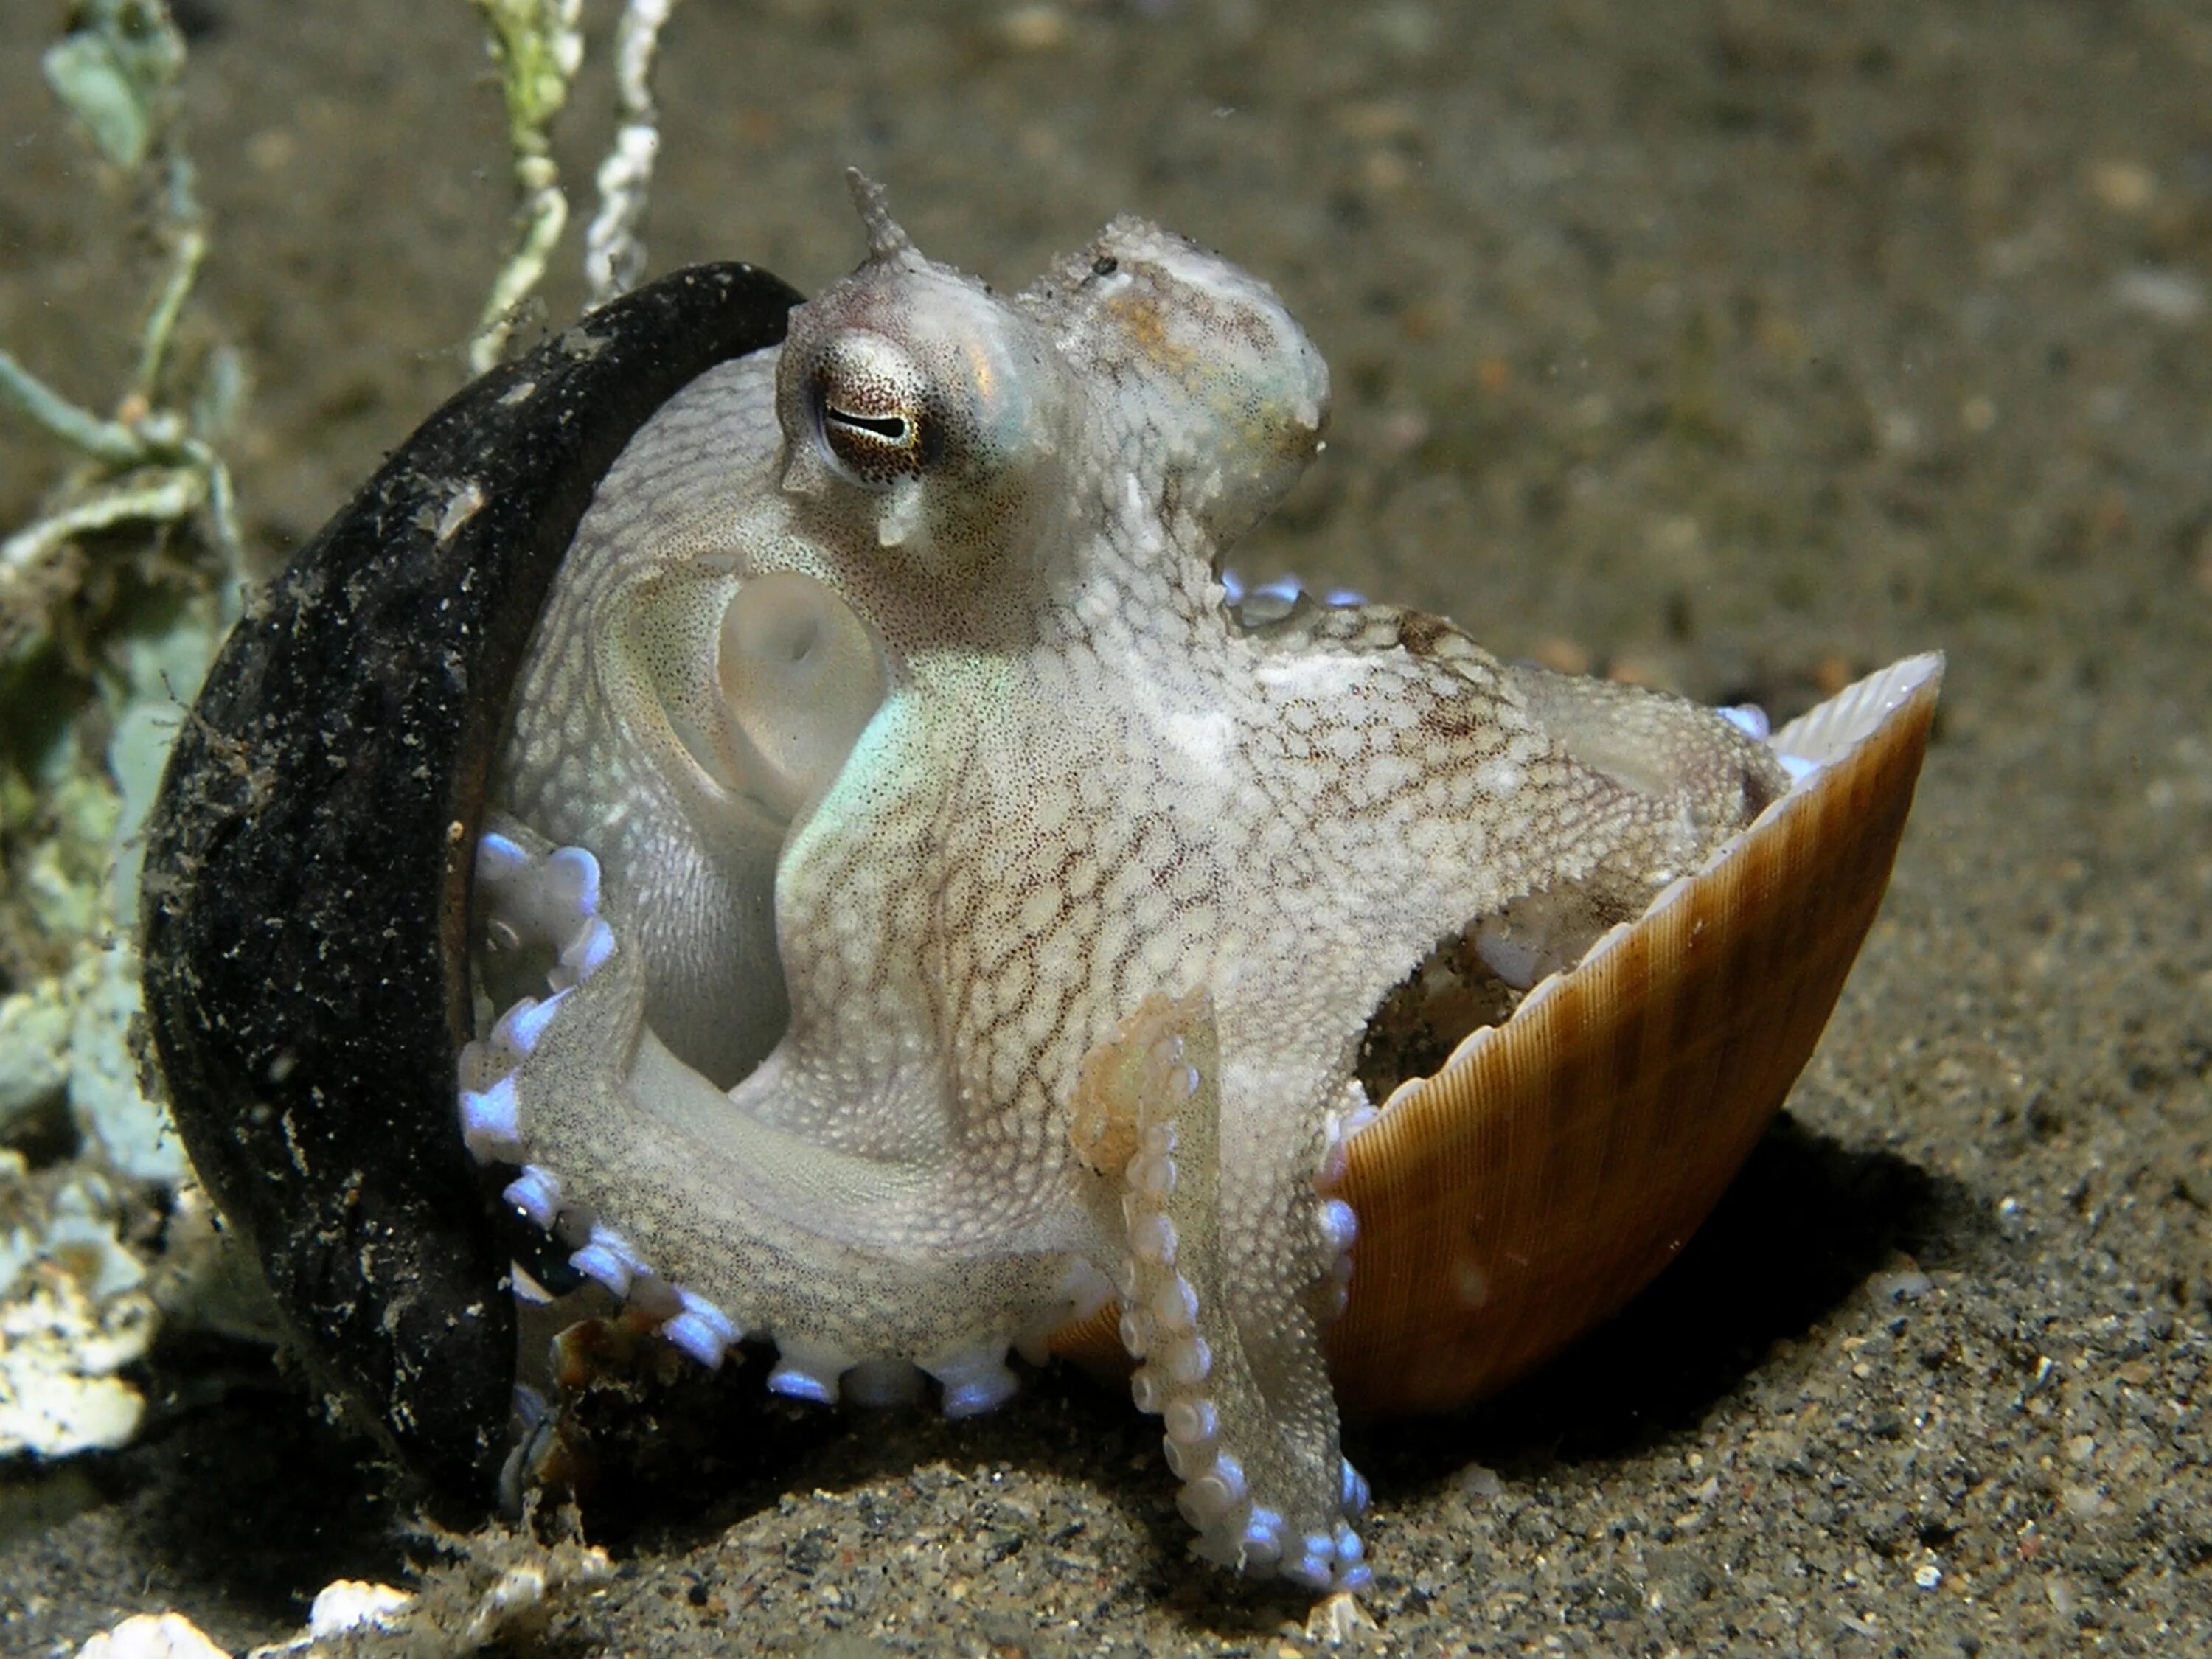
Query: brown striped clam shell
<point x="1549" y="1170"/>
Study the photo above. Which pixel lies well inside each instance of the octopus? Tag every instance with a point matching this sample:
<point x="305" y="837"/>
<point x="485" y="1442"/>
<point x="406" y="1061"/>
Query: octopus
<point x="921" y="906"/>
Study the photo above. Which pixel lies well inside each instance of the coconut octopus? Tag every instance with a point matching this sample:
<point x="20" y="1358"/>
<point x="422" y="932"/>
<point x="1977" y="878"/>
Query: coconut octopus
<point x="949" y="911"/>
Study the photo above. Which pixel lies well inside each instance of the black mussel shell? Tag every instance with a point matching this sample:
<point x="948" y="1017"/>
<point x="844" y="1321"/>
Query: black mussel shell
<point x="309" y="861"/>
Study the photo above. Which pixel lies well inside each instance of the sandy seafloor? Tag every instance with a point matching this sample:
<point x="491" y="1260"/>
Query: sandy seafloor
<point x="1730" y="345"/>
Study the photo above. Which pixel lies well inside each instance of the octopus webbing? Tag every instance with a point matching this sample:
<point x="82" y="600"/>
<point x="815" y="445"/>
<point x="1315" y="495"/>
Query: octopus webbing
<point x="920" y="906"/>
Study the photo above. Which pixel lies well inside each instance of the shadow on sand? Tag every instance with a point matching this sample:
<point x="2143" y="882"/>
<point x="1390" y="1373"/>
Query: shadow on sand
<point x="261" y="1501"/>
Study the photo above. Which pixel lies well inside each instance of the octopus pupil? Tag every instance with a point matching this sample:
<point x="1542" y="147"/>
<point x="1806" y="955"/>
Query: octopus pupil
<point x="891" y="429"/>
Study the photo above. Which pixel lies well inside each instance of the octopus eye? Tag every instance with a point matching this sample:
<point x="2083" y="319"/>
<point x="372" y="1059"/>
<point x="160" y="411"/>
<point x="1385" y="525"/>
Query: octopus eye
<point x="870" y="411"/>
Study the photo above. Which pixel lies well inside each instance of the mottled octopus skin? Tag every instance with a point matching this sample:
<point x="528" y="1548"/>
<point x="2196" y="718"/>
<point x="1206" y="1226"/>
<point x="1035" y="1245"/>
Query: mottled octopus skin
<point x="1081" y="889"/>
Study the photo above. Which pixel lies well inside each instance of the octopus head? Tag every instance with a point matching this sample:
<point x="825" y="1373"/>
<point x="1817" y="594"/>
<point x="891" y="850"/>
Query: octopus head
<point x="1217" y="393"/>
<point x="921" y="414"/>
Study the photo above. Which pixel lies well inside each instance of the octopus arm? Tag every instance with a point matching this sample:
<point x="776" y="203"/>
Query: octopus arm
<point x="1230" y="1357"/>
<point x="712" y="1218"/>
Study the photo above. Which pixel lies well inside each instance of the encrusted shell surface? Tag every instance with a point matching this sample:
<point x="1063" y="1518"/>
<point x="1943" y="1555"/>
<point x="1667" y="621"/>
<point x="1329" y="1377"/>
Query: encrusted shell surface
<point x="309" y="860"/>
<point x="1559" y="1160"/>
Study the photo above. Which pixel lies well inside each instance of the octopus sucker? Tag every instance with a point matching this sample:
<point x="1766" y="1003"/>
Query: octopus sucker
<point x="1230" y="1362"/>
<point x="902" y="901"/>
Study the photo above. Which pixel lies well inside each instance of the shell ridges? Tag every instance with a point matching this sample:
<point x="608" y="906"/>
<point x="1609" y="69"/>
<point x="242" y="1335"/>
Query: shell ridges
<point x="1749" y="955"/>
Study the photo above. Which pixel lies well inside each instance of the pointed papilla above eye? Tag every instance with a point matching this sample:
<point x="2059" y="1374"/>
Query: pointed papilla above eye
<point x="871" y="410"/>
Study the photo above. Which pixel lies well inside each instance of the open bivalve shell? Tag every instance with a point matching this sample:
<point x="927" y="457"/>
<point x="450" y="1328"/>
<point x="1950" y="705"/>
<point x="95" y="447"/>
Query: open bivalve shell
<point x="1559" y="1160"/>
<point x="310" y="858"/>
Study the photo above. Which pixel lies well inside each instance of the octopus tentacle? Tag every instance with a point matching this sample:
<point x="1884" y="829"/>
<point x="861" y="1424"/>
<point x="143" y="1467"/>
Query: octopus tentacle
<point x="575" y="1090"/>
<point x="535" y="895"/>
<point x="1234" y="1371"/>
